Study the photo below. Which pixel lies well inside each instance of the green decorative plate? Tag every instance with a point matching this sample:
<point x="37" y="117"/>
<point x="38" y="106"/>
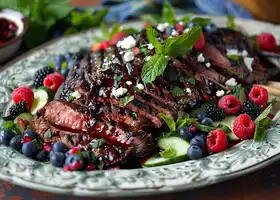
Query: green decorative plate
<point x="238" y="160"/>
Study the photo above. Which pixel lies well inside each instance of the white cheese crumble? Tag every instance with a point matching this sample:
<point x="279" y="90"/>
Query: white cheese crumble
<point x="119" y="92"/>
<point x="231" y="82"/>
<point x="128" y="56"/>
<point x="200" y="58"/>
<point x="188" y="90"/>
<point x="150" y="46"/>
<point x="127" y="43"/>
<point x="147" y="58"/>
<point x="181" y="23"/>
<point x="162" y="27"/>
<point x="76" y="95"/>
<point x="128" y="83"/>
<point x="208" y="64"/>
<point x="140" y="86"/>
<point x="220" y="93"/>
<point x="102" y="92"/>
<point x="248" y="62"/>
<point x="186" y="30"/>
<point x="244" y="53"/>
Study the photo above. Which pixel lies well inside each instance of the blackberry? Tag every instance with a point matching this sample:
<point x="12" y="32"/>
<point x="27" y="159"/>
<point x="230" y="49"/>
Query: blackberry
<point x="252" y="109"/>
<point x="214" y="112"/>
<point x="40" y="75"/>
<point x="17" y="109"/>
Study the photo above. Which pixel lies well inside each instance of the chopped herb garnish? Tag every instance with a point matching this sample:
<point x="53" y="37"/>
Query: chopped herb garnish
<point x="178" y="92"/>
<point x="126" y="100"/>
<point x="134" y="115"/>
<point x="71" y="98"/>
<point x="169" y="122"/>
<point x="97" y="143"/>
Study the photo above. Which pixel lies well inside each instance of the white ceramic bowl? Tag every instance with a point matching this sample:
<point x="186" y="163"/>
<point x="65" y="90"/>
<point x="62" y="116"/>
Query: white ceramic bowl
<point x="11" y="47"/>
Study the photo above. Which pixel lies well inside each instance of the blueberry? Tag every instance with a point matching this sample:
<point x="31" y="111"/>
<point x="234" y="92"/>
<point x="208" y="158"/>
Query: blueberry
<point x="71" y="159"/>
<point x="42" y="156"/>
<point x="169" y="30"/>
<point x="60" y="147"/>
<point x="185" y="134"/>
<point x="201" y="116"/>
<point x="30" y="133"/>
<point x="29" y="149"/>
<point x="211" y="27"/>
<point x="207" y="121"/>
<point x="58" y="61"/>
<point x="194" y="152"/>
<point x="202" y="135"/>
<point x="199" y="141"/>
<point x="5" y="136"/>
<point x="15" y="142"/>
<point x="57" y="159"/>
<point x="191" y="24"/>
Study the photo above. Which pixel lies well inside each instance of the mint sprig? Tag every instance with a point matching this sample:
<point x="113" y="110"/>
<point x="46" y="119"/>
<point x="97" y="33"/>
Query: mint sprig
<point x="168" y="13"/>
<point x="169" y="122"/>
<point x="172" y="47"/>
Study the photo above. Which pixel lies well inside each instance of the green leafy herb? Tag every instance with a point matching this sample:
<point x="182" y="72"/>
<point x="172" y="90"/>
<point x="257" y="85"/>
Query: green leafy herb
<point x="152" y="37"/>
<point x="185" y="122"/>
<point x="233" y="57"/>
<point x="153" y="19"/>
<point x="71" y="98"/>
<point x="201" y="21"/>
<point x="181" y="115"/>
<point x="100" y="165"/>
<point x="10" y="125"/>
<point x="224" y="127"/>
<point x="168" y="13"/>
<point x="264" y="114"/>
<point x="204" y="128"/>
<point x="169" y="122"/>
<point x="126" y="100"/>
<point x="261" y="129"/>
<point x="187" y="18"/>
<point x="97" y="143"/>
<point x="178" y="92"/>
<point x="230" y="22"/>
<point x="168" y="153"/>
<point x="129" y="31"/>
<point x="191" y="81"/>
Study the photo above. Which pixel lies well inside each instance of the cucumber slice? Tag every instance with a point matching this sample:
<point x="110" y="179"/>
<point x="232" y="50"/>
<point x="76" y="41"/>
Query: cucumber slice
<point x="228" y="121"/>
<point x="177" y="143"/>
<point x="41" y="97"/>
<point x="23" y="121"/>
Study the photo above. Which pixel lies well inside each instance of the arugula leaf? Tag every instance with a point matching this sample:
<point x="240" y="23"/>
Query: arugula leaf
<point x="125" y="100"/>
<point x="152" y="37"/>
<point x="169" y="122"/>
<point x="230" y="22"/>
<point x="97" y="143"/>
<point x="168" y="13"/>
<point x="182" y="44"/>
<point x="168" y="153"/>
<point x="153" y="19"/>
<point x="201" y="21"/>
<point x="104" y="30"/>
<point x="264" y="114"/>
<point x="178" y="92"/>
<point x="153" y="68"/>
<point x="261" y="128"/>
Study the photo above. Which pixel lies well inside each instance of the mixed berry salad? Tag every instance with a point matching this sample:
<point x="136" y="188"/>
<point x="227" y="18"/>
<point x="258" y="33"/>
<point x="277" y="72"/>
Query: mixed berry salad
<point x="173" y="91"/>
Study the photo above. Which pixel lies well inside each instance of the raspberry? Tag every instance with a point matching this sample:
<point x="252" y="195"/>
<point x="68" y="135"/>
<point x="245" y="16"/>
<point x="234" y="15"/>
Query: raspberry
<point x="90" y="167"/>
<point x="117" y="37"/>
<point x="23" y="94"/>
<point x="200" y="43"/>
<point x="266" y="41"/>
<point x="75" y="150"/>
<point x="230" y="104"/>
<point x="103" y="45"/>
<point x="271" y="116"/>
<point x="243" y="127"/>
<point x="217" y="141"/>
<point x="53" y="81"/>
<point x="179" y="28"/>
<point x="77" y="165"/>
<point x="259" y="95"/>
<point x="67" y="168"/>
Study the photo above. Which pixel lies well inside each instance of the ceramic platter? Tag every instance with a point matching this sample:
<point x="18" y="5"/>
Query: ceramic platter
<point x="239" y="160"/>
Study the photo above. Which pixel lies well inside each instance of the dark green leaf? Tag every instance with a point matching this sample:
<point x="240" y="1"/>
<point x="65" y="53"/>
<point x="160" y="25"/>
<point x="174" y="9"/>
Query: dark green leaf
<point x="264" y="114"/>
<point x="105" y="31"/>
<point x="169" y="122"/>
<point x="201" y="21"/>
<point x="115" y="29"/>
<point x="182" y="44"/>
<point x="97" y="143"/>
<point x="181" y="115"/>
<point x="224" y="127"/>
<point x="178" y="92"/>
<point x="58" y="11"/>
<point x="261" y="128"/>
<point x="130" y="31"/>
<point x="204" y="128"/>
<point x="168" y="13"/>
<point x="168" y="153"/>
<point x="230" y="22"/>
<point x="153" y="19"/>
<point x="10" y="125"/>
<point x="185" y="122"/>
<point x="191" y="81"/>
<point x="153" y="68"/>
<point x="187" y="18"/>
<point x="126" y="100"/>
<point x="152" y="37"/>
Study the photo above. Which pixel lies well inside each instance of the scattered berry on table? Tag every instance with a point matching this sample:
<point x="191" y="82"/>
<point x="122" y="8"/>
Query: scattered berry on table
<point x="266" y="41"/>
<point x="200" y="43"/>
<point x="74" y="161"/>
<point x="53" y="81"/>
<point x="217" y="141"/>
<point x="230" y="104"/>
<point x="214" y="112"/>
<point x="252" y="109"/>
<point x="243" y="127"/>
<point x="211" y="28"/>
<point x="199" y="141"/>
<point x="17" y="109"/>
<point x="185" y="133"/>
<point x="194" y="152"/>
<point x="207" y="121"/>
<point x="30" y="133"/>
<point x="201" y="116"/>
<point x="42" y="156"/>
<point x="23" y="94"/>
<point x="29" y="149"/>
<point x="57" y="159"/>
<point x="59" y="147"/>
<point x="5" y="136"/>
<point x="40" y="75"/>
<point x="15" y="142"/>
<point x="259" y="95"/>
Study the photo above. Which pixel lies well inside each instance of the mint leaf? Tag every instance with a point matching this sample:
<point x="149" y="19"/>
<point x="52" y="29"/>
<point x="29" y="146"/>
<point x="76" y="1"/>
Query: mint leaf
<point x="169" y="122"/>
<point x="125" y="100"/>
<point x="97" y="143"/>
<point x="153" y="68"/>
<point x="182" y="44"/>
<point x="181" y="115"/>
<point x="224" y="127"/>
<point x="168" y="13"/>
<point x="264" y="114"/>
<point x="201" y="21"/>
<point x="10" y="125"/>
<point x="261" y="128"/>
<point x="104" y="30"/>
<point x="178" y="92"/>
<point x="153" y="19"/>
<point x="187" y="18"/>
<point x="152" y="37"/>
<point x="185" y="122"/>
<point x="130" y="31"/>
<point x="230" y="22"/>
<point x="115" y="29"/>
<point x="168" y="153"/>
<point x="204" y="128"/>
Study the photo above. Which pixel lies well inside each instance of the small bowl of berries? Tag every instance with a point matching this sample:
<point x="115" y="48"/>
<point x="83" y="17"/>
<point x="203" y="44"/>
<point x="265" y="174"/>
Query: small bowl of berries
<point x="13" y="26"/>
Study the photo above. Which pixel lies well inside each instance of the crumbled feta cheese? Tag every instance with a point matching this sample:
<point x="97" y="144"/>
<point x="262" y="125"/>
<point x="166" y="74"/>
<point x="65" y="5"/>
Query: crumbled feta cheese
<point x="181" y="23"/>
<point x="188" y="90"/>
<point x="166" y="24"/>
<point x="186" y="30"/>
<point x="128" y="83"/>
<point x="119" y="92"/>
<point x="116" y="61"/>
<point x="128" y="56"/>
<point x="150" y="46"/>
<point x="127" y="43"/>
<point x="121" y="52"/>
<point x="174" y="32"/>
<point x="220" y="93"/>
<point x="248" y="62"/>
<point x="208" y="64"/>
<point x="140" y="86"/>
<point x="200" y="58"/>
<point x="76" y="95"/>
<point x="244" y="53"/>
<point x="102" y="92"/>
<point x="162" y="27"/>
<point x="231" y="82"/>
<point x="234" y="52"/>
<point x="147" y="58"/>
